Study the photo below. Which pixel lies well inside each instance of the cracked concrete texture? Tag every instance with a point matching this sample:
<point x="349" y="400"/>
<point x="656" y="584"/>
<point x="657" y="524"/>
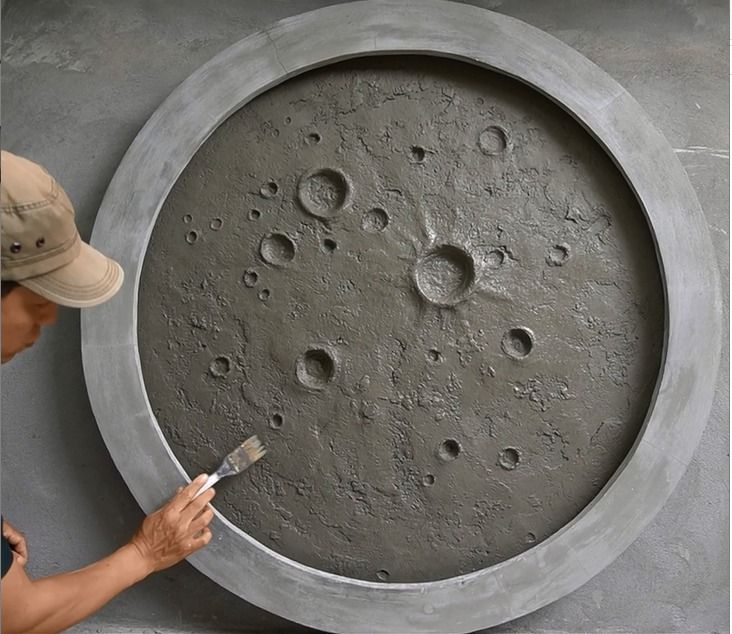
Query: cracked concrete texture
<point x="671" y="56"/>
<point x="437" y="394"/>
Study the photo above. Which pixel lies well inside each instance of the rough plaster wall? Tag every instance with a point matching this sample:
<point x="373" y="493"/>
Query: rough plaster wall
<point x="78" y="83"/>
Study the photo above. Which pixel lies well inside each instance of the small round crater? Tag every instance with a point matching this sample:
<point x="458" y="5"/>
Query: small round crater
<point x="329" y="245"/>
<point x="518" y="343"/>
<point x="509" y="458"/>
<point x="382" y="575"/>
<point x="530" y="538"/>
<point x="417" y="154"/>
<point x="493" y="141"/>
<point x="374" y="220"/>
<point x="216" y="224"/>
<point x="188" y="219"/>
<point x="250" y="278"/>
<point x="445" y="275"/>
<point x="558" y="255"/>
<point x="434" y="356"/>
<point x="277" y="249"/>
<point x="315" y="368"/>
<point x="255" y="214"/>
<point x="192" y="237"/>
<point x="313" y="138"/>
<point x="495" y="258"/>
<point x="264" y="294"/>
<point x="448" y="450"/>
<point x="428" y="480"/>
<point x="323" y="192"/>
<point x="220" y="366"/>
<point x="288" y="120"/>
<point x="269" y="190"/>
<point x="276" y="421"/>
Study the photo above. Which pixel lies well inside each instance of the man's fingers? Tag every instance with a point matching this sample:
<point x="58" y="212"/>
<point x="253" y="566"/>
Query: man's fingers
<point x="201" y="522"/>
<point x="17" y="542"/>
<point x="181" y="500"/>
<point x="197" y="505"/>
<point x="200" y="542"/>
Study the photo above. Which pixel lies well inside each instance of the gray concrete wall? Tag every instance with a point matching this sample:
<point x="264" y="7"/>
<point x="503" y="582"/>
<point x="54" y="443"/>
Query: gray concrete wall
<point x="78" y="82"/>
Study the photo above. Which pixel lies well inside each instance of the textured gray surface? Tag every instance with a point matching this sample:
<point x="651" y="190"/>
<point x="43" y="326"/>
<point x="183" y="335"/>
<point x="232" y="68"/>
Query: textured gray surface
<point x="74" y="103"/>
<point x="342" y="487"/>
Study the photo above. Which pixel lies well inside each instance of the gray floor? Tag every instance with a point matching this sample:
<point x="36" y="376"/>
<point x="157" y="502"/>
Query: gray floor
<point x="79" y="80"/>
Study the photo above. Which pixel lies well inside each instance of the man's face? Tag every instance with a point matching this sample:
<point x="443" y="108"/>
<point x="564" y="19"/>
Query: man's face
<point x="23" y="314"/>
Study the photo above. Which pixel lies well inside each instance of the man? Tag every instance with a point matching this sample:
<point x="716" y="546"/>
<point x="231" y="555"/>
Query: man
<point x="45" y="264"/>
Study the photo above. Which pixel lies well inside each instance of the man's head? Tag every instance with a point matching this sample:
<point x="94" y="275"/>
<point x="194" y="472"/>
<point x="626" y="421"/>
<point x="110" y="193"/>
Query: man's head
<point x="44" y="261"/>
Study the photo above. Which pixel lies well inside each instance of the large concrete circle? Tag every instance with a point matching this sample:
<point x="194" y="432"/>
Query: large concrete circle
<point x="683" y="393"/>
<point x="460" y="375"/>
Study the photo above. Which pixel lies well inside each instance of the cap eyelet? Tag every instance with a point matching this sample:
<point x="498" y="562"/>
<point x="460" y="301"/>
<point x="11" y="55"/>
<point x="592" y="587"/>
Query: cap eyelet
<point x="15" y="247"/>
<point x="40" y="242"/>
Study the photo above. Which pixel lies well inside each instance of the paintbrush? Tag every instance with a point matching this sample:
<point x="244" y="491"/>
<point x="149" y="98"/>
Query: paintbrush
<point x="243" y="457"/>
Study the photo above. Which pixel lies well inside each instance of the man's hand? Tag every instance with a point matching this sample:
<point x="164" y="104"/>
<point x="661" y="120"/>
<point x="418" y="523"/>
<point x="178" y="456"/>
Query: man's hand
<point x="52" y="604"/>
<point x="177" y="529"/>
<point x="16" y="539"/>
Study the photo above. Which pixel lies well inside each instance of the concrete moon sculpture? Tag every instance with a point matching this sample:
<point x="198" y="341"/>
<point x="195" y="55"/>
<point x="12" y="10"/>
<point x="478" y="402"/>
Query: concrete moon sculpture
<point x="433" y="274"/>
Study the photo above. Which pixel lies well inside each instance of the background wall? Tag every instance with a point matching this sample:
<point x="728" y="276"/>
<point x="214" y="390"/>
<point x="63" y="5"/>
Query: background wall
<point x="80" y="79"/>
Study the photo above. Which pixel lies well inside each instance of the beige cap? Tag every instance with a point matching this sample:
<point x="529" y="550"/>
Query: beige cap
<point x="41" y="247"/>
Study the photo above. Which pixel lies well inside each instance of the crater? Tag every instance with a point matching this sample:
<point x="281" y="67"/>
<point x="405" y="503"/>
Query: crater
<point x="323" y="192"/>
<point x="509" y="458"/>
<point x="315" y="368"/>
<point x="269" y="190"/>
<point x="495" y="258"/>
<point x="216" y="224"/>
<point x="417" y="154"/>
<point x="313" y="138"/>
<point x="445" y="275"/>
<point x="276" y="421"/>
<point x="192" y="237"/>
<point x="329" y="245"/>
<point x="434" y="356"/>
<point x="558" y="255"/>
<point x="374" y="220"/>
<point x="220" y="366"/>
<point x="518" y="343"/>
<point x="449" y="450"/>
<point x="493" y="141"/>
<point x="255" y="214"/>
<point x="250" y="278"/>
<point x="277" y="249"/>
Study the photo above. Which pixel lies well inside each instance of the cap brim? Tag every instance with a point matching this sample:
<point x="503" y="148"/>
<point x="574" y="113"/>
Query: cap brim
<point x="88" y="280"/>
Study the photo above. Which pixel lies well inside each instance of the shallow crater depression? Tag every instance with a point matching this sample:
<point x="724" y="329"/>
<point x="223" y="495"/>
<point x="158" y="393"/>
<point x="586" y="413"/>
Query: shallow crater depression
<point x="432" y="296"/>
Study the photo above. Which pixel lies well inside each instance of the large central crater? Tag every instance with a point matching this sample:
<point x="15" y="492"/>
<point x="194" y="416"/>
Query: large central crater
<point x="431" y="295"/>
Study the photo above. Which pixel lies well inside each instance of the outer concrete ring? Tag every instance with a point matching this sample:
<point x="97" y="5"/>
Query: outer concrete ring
<point x="684" y="391"/>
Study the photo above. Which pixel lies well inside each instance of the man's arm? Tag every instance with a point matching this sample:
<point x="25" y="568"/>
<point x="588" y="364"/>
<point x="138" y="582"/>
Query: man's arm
<point x="55" y="603"/>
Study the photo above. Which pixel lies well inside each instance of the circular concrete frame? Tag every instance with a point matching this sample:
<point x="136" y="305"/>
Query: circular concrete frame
<point x="684" y="390"/>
